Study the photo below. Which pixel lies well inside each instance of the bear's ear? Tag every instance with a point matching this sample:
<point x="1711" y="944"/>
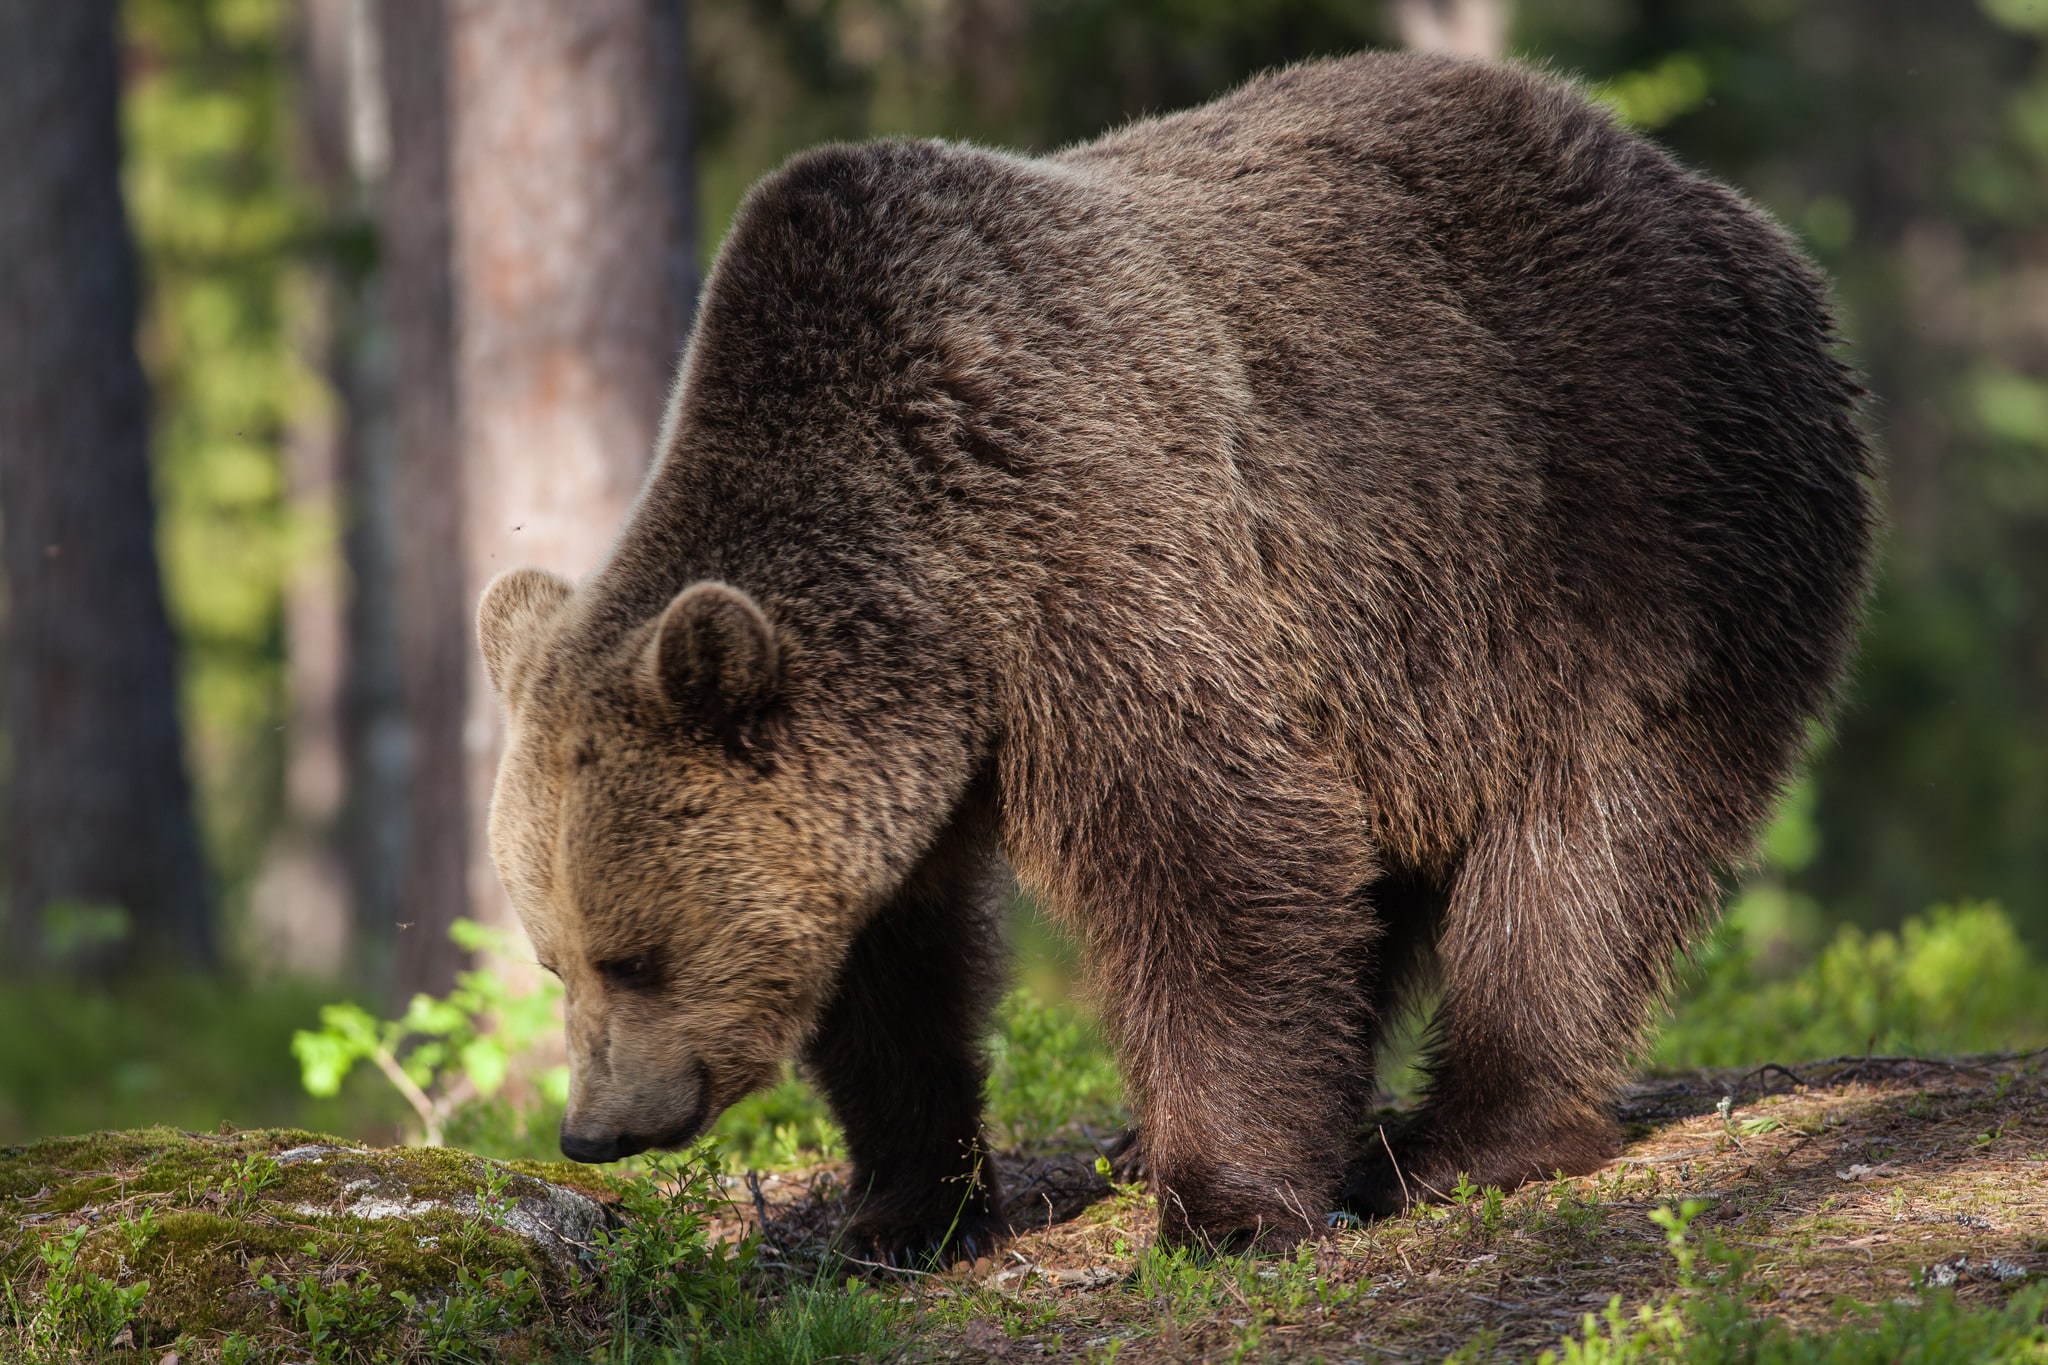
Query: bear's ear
<point x="714" y="660"/>
<point x="515" y="605"/>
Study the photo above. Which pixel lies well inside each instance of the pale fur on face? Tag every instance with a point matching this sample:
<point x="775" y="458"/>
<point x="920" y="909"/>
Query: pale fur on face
<point x="676" y="889"/>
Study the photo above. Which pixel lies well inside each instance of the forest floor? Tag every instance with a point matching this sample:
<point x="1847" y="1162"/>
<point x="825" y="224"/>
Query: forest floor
<point x="1874" y="1195"/>
<point x="1842" y="1186"/>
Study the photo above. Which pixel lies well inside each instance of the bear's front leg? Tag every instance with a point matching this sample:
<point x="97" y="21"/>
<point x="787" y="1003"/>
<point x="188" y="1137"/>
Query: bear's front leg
<point x="898" y="1054"/>
<point x="1230" y="980"/>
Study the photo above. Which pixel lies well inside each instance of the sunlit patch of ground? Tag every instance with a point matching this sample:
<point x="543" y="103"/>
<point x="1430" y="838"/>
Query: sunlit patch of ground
<point x="1851" y="1182"/>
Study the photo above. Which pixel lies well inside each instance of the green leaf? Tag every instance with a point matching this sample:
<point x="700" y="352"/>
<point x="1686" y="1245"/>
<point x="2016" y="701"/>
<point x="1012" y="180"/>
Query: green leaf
<point x="324" y="1061"/>
<point x="485" y="1063"/>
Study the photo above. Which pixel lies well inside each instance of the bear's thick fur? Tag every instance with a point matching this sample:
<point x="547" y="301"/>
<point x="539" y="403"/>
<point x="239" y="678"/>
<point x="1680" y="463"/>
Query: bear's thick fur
<point x="1388" y="526"/>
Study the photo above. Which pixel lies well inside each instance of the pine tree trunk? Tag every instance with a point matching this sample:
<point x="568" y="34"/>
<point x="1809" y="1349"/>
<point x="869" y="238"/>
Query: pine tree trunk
<point x="99" y="808"/>
<point x="433" y="598"/>
<point x="574" y="281"/>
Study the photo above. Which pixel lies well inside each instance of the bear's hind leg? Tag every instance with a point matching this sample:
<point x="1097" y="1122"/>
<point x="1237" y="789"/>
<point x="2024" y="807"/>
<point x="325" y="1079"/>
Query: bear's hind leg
<point x="898" y="1054"/>
<point x="1563" y="922"/>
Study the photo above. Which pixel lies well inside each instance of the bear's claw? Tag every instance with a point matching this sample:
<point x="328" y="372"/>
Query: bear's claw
<point x="927" y="1247"/>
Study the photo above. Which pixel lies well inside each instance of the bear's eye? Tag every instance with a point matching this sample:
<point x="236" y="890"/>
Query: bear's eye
<point x="639" y="972"/>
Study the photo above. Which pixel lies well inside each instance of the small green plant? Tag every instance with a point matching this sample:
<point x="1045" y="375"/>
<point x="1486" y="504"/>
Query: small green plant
<point x="668" y="1279"/>
<point x="784" y="1126"/>
<point x="1256" y="1293"/>
<point x="1613" y="1337"/>
<point x="441" y="1055"/>
<point x="493" y="1198"/>
<point x="815" y="1320"/>
<point x="334" y="1315"/>
<point x="1493" y="1203"/>
<point x="251" y="1176"/>
<point x="80" y="1309"/>
<point x="460" y="1324"/>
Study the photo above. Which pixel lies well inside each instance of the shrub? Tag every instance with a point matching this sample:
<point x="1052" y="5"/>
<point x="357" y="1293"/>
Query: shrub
<point x="1958" y="979"/>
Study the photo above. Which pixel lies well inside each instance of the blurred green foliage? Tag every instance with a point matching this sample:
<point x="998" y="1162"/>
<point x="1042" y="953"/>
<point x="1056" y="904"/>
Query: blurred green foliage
<point x="218" y="222"/>
<point x="1958" y="979"/>
<point x="1772" y="985"/>
<point x="1052" y="1077"/>
<point x="453" y="1053"/>
<point x="181" y="1051"/>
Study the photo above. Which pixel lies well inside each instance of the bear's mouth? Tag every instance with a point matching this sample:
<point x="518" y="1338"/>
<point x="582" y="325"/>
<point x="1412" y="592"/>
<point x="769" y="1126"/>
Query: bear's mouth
<point x="691" y="1128"/>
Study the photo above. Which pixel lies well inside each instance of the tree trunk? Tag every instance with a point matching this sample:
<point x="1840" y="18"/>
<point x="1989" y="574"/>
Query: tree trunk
<point x="433" y="598"/>
<point x="99" y="806"/>
<point x="1460" y="28"/>
<point x="305" y="904"/>
<point x="574" y="280"/>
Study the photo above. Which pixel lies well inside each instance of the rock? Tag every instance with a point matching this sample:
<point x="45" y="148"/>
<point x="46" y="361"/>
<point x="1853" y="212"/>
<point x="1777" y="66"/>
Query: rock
<point x="197" y="1236"/>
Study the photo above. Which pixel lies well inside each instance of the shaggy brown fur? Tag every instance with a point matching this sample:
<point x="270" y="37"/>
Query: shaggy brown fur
<point x="1388" y="525"/>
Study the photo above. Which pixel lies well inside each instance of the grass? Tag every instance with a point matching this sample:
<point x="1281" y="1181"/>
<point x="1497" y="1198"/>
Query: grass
<point x="1724" y="1329"/>
<point x="1713" y="1320"/>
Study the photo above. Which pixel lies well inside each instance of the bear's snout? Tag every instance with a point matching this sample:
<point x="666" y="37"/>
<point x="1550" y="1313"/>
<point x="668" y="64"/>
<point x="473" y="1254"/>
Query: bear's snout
<point x="594" y="1148"/>
<point x="589" y="1138"/>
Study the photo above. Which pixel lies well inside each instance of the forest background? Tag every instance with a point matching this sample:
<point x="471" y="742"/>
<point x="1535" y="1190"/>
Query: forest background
<point x="324" y="197"/>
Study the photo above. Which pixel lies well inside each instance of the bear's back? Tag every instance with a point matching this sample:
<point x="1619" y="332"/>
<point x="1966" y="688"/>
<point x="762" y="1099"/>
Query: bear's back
<point x="1537" y="413"/>
<point x="1448" y="275"/>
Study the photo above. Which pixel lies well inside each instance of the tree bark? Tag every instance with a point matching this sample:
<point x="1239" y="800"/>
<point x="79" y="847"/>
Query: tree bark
<point x="574" y="280"/>
<point x="433" y="598"/>
<point x="99" y="804"/>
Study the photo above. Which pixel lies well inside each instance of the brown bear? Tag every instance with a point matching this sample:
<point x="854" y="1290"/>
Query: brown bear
<point x="1388" y="526"/>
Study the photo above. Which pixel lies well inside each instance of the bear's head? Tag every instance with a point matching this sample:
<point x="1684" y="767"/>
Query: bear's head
<point x="694" y="899"/>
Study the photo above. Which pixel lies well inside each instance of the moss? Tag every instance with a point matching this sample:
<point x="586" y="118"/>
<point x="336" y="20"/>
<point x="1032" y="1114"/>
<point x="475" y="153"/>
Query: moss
<point x="292" y="1239"/>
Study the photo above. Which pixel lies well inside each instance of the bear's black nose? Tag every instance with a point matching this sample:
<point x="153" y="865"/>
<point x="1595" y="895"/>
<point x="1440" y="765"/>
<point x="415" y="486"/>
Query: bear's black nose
<point x="596" y="1147"/>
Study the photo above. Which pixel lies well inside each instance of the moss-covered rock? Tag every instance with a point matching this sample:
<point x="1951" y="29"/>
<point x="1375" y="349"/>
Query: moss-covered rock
<point x="281" y="1244"/>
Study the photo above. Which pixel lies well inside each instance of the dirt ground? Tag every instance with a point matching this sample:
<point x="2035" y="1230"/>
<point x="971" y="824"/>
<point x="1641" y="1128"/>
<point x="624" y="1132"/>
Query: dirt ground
<point x="1851" y="1181"/>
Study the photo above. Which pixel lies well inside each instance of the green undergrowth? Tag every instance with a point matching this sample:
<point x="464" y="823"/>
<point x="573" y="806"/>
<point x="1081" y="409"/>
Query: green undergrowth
<point x="283" y="1246"/>
<point x="1725" y="1330"/>
<point x="671" y="1293"/>
<point x="1956" y="980"/>
<point x="185" y="1051"/>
